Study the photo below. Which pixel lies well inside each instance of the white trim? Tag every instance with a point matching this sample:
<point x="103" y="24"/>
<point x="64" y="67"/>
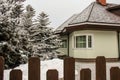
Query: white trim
<point x="66" y="43"/>
<point x="93" y="23"/>
<point x="86" y="41"/>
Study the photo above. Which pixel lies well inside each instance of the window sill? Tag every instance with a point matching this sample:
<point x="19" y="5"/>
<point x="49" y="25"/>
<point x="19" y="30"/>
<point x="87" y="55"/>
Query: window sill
<point x="83" y="48"/>
<point x="63" y="48"/>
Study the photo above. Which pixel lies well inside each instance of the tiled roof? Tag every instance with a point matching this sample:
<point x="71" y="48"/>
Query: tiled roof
<point x="98" y="14"/>
<point x="83" y="16"/>
<point x="94" y="13"/>
<point x="65" y="24"/>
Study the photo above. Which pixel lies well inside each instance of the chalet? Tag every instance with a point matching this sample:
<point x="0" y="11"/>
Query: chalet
<point x="94" y="32"/>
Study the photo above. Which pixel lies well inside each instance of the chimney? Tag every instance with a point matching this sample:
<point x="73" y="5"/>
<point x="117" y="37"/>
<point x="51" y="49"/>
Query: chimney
<point x="102" y="2"/>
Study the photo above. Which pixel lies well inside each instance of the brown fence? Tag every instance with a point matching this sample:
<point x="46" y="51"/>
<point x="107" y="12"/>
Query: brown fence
<point x="69" y="70"/>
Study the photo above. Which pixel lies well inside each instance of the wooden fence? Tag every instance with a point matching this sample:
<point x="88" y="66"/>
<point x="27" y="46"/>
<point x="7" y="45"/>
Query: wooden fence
<point x="69" y="70"/>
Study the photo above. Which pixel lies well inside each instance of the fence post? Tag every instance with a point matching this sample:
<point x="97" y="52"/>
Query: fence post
<point x="52" y="74"/>
<point x="100" y="68"/>
<point x="69" y="68"/>
<point x="16" y="75"/>
<point x="115" y="73"/>
<point x="1" y="68"/>
<point x="34" y="68"/>
<point x="85" y="74"/>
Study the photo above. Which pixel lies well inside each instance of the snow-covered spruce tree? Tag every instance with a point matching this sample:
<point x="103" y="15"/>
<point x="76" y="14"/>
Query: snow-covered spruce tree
<point x="10" y="11"/>
<point x="24" y="32"/>
<point x="45" y="41"/>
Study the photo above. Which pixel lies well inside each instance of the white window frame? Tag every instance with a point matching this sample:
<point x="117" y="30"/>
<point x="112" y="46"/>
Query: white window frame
<point x="86" y="41"/>
<point x="66" y="43"/>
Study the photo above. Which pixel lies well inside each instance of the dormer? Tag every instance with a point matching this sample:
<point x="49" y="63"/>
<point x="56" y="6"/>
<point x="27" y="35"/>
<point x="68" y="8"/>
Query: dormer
<point x="114" y="9"/>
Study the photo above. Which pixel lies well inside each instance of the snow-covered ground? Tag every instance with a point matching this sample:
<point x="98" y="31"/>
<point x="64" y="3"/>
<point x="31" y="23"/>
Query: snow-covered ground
<point x="91" y="66"/>
<point x="45" y="65"/>
<point x="58" y="64"/>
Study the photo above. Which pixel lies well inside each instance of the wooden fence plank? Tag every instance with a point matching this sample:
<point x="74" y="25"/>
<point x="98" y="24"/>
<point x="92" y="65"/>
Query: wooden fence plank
<point x="16" y="75"/>
<point x="34" y="68"/>
<point x="100" y="68"/>
<point x="115" y="73"/>
<point x="52" y="74"/>
<point x="1" y="68"/>
<point x="69" y="68"/>
<point x="85" y="74"/>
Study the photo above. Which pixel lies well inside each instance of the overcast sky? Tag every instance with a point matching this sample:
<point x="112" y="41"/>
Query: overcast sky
<point x="61" y="10"/>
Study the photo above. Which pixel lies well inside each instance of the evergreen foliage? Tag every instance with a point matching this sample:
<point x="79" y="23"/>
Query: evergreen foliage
<point x="45" y="41"/>
<point x="26" y="24"/>
<point x="21" y="37"/>
<point x="10" y="11"/>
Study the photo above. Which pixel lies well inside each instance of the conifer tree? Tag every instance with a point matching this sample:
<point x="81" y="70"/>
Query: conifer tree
<point x="45" y="42"/>
<point x="10" y="12"/>
<point x="26" y="24"/>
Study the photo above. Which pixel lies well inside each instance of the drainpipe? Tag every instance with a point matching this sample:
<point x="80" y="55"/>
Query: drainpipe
<point x="118" y="37"/>
<point x="68" y="44"/>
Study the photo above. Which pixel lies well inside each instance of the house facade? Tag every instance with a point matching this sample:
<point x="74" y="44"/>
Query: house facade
<point x="94" y="32"/>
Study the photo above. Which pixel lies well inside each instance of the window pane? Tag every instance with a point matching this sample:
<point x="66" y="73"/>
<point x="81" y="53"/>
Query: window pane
<point x="81" y="41"/>
<point x="64" y="44"/>
<point x="89" y="41"/>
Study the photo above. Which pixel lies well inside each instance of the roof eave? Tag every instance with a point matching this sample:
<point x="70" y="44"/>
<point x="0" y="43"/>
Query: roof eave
<point x="91" y="26"/>
<point x="94" y="23"/>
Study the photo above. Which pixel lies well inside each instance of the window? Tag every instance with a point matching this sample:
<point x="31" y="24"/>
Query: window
<point x="83" y="41"/>
<point x="64" y="44"/>
<point x="89" y="41"/>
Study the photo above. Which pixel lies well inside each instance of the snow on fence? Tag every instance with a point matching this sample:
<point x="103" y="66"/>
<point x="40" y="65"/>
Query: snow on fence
<point x="69" y="70"/>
